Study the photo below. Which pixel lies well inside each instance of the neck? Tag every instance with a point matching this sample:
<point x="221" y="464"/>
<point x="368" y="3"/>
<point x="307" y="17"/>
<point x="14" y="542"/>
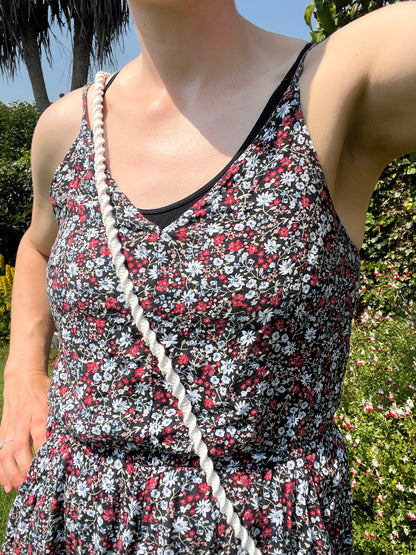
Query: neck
<point x="186" y="44"/>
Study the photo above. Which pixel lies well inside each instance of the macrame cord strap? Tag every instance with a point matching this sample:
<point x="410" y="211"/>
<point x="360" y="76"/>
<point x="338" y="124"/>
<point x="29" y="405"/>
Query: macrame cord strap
<point x="142" y="324"/>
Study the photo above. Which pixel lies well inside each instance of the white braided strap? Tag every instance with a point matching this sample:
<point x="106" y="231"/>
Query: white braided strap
<point x="156" y="348"/>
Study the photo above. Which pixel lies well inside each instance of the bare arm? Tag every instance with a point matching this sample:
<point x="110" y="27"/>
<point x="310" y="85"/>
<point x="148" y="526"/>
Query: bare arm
<point x="25" y="377"/>
<point x="359" y="101"/>
<point x="386" y="116"/>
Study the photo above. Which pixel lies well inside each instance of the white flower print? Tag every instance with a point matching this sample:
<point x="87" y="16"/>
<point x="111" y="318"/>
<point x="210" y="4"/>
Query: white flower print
<point x="180" y="525"/>
<point x="286" y="267"/>
<point x="265" y="199"/>
<point x="194" y="268"/>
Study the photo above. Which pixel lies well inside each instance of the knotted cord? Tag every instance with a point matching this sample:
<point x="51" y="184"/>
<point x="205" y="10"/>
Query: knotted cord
<point x="157" y="349"/>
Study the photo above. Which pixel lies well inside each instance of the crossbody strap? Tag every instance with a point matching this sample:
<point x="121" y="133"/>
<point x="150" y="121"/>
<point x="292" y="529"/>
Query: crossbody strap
<point x="142" y="324"/>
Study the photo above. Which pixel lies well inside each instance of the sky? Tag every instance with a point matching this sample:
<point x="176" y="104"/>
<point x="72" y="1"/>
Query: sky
<point x="280" y="16"/>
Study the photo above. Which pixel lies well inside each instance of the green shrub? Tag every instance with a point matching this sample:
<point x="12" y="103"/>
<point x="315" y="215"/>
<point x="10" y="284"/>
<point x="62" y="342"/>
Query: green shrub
<point x="377" y="417"/>
<point x="17" y="123"/>
<point x="15" y="203"/>
<point x="388" y="268"/>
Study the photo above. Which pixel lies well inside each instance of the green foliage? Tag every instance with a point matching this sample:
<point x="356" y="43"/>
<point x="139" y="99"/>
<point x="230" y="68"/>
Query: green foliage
<point x="17" y="123"/>
<point x="388" y="270"/>
<point x="15" y="203"/>
<point x="331" y="15"/>
<point x="377" y="415"/>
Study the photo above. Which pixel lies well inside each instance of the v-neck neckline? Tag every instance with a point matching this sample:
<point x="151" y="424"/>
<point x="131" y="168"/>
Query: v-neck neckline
<point x="210" y="189"/>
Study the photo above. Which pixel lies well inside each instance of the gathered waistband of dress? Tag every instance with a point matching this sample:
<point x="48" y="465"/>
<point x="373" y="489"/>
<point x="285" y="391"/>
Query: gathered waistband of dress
<point x="329" y="438"/>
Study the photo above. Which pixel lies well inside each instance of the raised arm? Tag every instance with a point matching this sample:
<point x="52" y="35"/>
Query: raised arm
<point x="25" y="377"/>
<point x="386" y="45"/>
<point x="359" y="101"/>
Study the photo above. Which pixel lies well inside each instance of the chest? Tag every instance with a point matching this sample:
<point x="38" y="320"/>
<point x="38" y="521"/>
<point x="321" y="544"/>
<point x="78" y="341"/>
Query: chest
<point x="266" y="231"/>
<point x="159" y="152"/>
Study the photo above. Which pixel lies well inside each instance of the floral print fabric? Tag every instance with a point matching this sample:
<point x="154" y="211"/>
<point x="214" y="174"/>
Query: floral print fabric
<point x="252" y="292"/>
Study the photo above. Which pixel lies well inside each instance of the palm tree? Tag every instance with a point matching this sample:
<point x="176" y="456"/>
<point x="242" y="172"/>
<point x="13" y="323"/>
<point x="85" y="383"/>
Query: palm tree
<point x="95" y="25"/>
<point x="25" y="32"/>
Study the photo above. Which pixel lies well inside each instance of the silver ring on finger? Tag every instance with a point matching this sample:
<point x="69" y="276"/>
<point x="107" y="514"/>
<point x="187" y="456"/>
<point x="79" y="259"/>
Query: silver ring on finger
<point x="2" y="443"/>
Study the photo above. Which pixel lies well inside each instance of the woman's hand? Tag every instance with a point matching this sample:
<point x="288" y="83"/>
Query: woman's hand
<point x="24" y="423"/>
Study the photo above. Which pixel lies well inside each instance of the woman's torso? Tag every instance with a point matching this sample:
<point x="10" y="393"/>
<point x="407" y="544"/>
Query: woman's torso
<point x="251" y="291"/>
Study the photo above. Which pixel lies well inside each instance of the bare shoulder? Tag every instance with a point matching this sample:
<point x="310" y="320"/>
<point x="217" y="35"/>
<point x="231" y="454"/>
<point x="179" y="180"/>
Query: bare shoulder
<point x="55" y="132"/>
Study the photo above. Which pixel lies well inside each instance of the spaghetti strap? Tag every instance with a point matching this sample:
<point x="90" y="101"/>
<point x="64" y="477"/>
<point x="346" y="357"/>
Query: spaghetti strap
<point x="302" y="57"/>
<point x="109" y="82"/>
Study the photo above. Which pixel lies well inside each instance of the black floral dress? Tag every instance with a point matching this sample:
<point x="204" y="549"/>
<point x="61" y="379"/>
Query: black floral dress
<point x="252" y="293"/>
